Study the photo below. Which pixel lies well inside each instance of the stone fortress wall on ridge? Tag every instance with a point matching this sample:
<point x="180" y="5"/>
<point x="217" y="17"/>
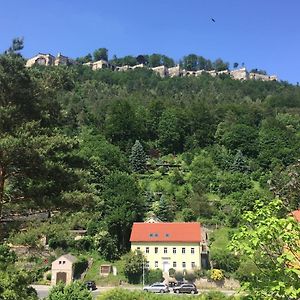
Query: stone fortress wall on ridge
<point x="163" y="71"/>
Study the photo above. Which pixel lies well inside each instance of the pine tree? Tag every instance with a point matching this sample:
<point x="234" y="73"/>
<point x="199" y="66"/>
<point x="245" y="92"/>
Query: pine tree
<point x="138" y="158"/>
<point x="240" y="163"/>
<point x="165" y="211"/>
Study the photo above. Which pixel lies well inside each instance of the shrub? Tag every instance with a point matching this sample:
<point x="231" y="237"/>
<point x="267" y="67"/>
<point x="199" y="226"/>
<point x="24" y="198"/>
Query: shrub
<point x="83" y="244"/>
<point x="179" y="276"/>
<point x="172" y="272"/>
<point x="190" y="276"/>
<point x="216" y="275"/>
<point x="154" y="276"/>
<point x="223" y="259"/>
<point x="75" y="291"/>
<point x="106" y="245"/>
<point x="80" y="266"/>
<point x="134" y="266"/>
<point x="215" y="296"/>
<point x="200" y="273"/>
<point x="60" y="242"/>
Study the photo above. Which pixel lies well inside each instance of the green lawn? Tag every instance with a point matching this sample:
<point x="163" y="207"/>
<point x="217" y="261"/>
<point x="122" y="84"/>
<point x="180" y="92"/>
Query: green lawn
<point x="94" y="272"/>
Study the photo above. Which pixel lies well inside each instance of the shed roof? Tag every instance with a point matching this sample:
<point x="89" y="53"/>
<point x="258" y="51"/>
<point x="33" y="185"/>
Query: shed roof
<point x="68" y="257"/>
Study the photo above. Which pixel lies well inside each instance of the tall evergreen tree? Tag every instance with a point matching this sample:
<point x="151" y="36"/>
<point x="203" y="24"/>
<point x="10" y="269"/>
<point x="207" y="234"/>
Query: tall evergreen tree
<point x="239" y="163"/>
<point x="138" y="157"/>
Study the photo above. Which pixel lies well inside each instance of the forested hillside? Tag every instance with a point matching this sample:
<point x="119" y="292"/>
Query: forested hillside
<point x="104" y="149"/>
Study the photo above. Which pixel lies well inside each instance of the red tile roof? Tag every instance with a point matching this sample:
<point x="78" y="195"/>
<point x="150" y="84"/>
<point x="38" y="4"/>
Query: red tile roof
<point x="166" y="232"/>
<point x="296" y="214"/>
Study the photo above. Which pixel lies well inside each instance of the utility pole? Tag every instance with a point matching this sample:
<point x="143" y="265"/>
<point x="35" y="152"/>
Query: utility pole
<point x="143" y="272"/>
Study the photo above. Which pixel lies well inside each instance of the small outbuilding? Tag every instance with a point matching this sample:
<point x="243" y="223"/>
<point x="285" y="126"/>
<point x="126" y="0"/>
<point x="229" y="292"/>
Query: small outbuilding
<point x="63" y="269"/>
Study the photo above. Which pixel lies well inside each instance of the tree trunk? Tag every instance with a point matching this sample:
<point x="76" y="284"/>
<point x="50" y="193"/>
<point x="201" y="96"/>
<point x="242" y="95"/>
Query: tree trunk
<point x="2" y="181"/>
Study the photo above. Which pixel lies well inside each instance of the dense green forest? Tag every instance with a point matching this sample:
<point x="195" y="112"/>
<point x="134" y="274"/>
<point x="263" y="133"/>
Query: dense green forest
<point x="104" y="149"/>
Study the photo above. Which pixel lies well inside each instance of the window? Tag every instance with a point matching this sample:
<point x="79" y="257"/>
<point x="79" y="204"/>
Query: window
<point x="183" y="250"/>
<point x="165" y="250"/>
<point x="174" y="250"/>
<point x="138" y="248"/>
<point x="156" y="264"/>
<point x="59" y="262"/>
<point x="174" y="264"/>
<point x="193" y="265"/>
<point x="193" y="250"/>
<point x="184" y="265"/>
<point x="156" y="249"/>
<point x="64" y="262"/>
<point x="167" y="235"/>
<point x="147" y="264"/>
<point x="147" y="249"/>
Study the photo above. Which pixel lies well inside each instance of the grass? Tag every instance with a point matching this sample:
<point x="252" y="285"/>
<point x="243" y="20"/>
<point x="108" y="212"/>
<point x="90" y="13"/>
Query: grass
<point x="94" y="272"/>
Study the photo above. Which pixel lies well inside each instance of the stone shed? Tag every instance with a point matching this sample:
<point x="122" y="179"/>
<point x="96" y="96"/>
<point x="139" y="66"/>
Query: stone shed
<point x="63" y="269"/>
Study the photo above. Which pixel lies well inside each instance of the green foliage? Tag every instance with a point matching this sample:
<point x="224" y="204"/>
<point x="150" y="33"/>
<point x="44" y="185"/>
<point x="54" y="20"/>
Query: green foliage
<point x="188" y="215"/>
<point x="106" y="245"/>
<point x="154" y="276"/>
<point x="179" y="276"/>
<point x="224" y="260"/>
<point x="171" y="131"/>
<point x="7" y="257"/>
<point x="74" y="291"/>
<point x="138" y="158"/>
<point x="268" y="240"/>
<point x="165" y="210"/>
<point x="80" y="266"/>
<point x="122" y="294"/>
<point x="239" y="163"/>
<point x="14" y="285"/>
<point x="134" y="263"/>
<point x="122" y="206"/>
<point x="190" y="276"/>
<point x="172" y="272"/>
<point x="101" y="53"/>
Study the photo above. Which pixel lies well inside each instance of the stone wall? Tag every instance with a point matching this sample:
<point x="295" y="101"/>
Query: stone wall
<point x="163" y="71"/>
<point x="228" y="284"/>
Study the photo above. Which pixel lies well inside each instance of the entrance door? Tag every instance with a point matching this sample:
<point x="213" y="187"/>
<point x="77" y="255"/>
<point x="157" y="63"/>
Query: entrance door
<point x="166" y="266"/>
<point x="61" y="277"/>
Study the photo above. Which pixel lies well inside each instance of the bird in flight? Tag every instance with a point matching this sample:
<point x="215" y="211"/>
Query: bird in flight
<point x="213" y="20"/>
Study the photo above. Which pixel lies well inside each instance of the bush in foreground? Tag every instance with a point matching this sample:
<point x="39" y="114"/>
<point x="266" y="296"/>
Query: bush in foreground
<point x="122" y="294"/>
<point x="74" y="291"/>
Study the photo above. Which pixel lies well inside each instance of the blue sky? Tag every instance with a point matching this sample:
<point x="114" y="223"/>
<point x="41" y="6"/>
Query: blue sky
<point x="263" y="34"/>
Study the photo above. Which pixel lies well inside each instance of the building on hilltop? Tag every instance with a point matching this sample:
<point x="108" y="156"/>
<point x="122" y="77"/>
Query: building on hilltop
<point x="49" y="60"/>
<point x="63" y="60"/>
<point x="41" y="59"/>
<point x="181" y="246"/>
<point x="239" y="74"/>
<point x="175" y="71"/>
<point x="262" y="77"/>
<point x="162" y="71"/>
<point x="99" y="64"/>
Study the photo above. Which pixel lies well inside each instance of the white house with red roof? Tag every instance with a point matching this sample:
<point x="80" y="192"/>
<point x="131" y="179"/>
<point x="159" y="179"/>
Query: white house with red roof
<point x="181" y="246"/>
